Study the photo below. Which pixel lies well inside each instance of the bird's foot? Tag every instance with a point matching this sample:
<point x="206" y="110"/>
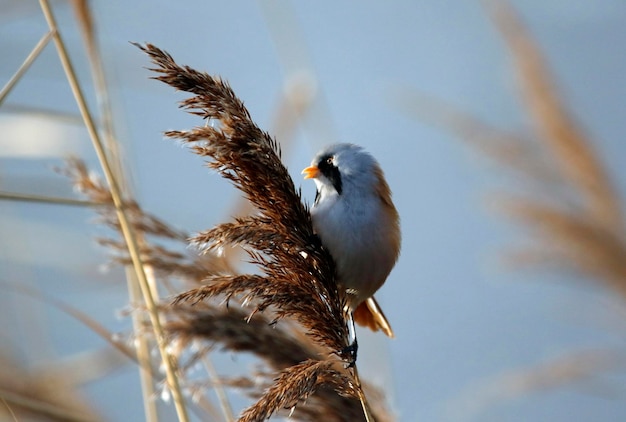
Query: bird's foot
<point x="348" y="354"/>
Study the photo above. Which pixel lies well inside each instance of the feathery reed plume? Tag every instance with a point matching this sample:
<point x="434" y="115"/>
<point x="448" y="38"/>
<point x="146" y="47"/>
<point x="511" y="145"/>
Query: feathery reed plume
<point x="297" y="383"/>
<point x="296" y="278"/>
<point x="584" y="369"/>
<point x="282" y="348"/>
<point x="236" y="330"/>
<point x="298" y="274"/>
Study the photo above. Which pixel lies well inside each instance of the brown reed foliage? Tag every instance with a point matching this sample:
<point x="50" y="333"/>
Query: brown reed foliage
<point x="39" y="394"/>
<point x="290" y="313"/>
<point x="297" y="277"/>
<point x="234" y="328"/>
<point x="326" y="386"/>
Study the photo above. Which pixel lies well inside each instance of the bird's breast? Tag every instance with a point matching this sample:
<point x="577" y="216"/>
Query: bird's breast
<point x="361" y="240"/>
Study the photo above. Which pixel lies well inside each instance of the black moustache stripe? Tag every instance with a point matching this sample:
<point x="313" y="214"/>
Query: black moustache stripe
<point x="331" y="172"/>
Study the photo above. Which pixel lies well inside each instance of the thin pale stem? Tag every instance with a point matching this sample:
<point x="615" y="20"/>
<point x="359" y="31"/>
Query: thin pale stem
<point x="102" y="94"/>
<point x="24" y="67"/>
<point x="10" y="410"/>
<point x="222" y="397"/>
<point x="169" y="361"/>
<point x="54" y="200"/>
<point x="143" y="343"/>
<point x="364" y="404"/>
<point x="142" y="348"/>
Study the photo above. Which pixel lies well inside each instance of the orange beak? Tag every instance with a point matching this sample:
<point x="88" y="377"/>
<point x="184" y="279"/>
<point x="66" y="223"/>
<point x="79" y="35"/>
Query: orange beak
<point x="311" y="172"/>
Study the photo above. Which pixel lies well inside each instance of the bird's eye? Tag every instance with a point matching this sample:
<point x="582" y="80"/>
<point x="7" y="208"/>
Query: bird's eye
<point x="329" y="161"/>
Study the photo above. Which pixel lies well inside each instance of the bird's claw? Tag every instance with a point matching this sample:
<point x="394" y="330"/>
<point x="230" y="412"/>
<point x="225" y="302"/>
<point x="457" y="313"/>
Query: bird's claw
<point x="348" y="353"/>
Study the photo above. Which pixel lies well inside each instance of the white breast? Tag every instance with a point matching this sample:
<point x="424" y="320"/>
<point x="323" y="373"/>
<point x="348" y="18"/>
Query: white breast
<point x="357" y="234"/>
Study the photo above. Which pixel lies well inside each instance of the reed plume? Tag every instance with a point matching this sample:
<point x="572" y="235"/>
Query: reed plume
<point x="290" y="313"/>
<point x="297" y="272"/>
<point x="285" y="351"/>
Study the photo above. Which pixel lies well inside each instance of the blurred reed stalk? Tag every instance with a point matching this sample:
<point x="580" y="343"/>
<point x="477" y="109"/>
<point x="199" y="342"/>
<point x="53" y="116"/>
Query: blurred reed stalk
<point x="571" y="209"/>
<point x="587" y="232"/>
<point x="86" y="22"/>
<point x="131" y="240"/>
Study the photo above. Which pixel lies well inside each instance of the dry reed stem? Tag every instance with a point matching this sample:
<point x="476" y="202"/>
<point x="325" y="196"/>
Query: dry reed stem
<point x="87" y="25"/>
<point x="43" y="42"/>
<point x="10" y="410"/>
<point x="143" y="348"/>
<point x="85" y="19"/>
<point x="43" y="199"/>
<point x="86" y="22"/>
<point x="168" y="361"/>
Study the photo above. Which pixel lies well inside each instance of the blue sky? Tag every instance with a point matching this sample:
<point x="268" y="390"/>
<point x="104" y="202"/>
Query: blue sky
<point x="461" y="318"/>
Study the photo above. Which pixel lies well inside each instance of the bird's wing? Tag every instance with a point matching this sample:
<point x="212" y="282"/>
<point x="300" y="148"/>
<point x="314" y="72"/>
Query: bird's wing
<point x="368" y="314"/>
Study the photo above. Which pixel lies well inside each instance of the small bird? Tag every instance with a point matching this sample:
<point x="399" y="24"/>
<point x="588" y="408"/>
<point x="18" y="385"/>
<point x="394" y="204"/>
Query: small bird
<point x="355" y="219"/>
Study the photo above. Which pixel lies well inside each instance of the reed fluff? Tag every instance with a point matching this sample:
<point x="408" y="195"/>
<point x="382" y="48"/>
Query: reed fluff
<point x="290" y="312"/>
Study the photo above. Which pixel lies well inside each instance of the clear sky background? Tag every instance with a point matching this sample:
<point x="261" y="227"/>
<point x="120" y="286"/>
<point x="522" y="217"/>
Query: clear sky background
<point x="464" y="322"/>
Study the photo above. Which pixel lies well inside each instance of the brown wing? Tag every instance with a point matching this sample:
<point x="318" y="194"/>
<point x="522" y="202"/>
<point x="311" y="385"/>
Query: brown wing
<point x="368" y="314"/>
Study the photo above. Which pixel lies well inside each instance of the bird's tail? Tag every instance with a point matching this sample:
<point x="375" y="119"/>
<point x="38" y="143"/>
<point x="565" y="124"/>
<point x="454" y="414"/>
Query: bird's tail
<point x="368" y="314"/>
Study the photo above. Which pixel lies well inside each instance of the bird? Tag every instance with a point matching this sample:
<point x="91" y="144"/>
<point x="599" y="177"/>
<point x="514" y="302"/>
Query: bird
<point x="356" y="221"/>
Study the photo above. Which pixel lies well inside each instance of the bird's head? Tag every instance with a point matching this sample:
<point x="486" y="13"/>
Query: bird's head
<point x="344" y="168"/>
